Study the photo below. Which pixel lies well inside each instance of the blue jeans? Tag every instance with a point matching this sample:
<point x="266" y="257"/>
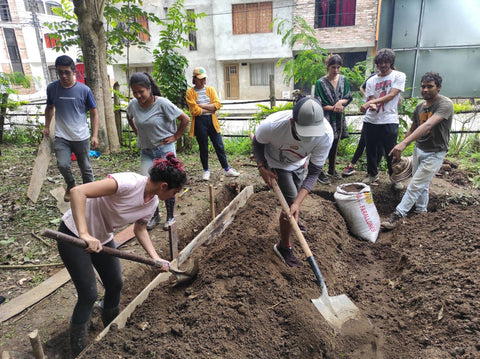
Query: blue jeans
<point x="147" y="156"/>
<point x="63" y="153"/>
<point x="203" y="130"/>
<point x="424" y="166"/>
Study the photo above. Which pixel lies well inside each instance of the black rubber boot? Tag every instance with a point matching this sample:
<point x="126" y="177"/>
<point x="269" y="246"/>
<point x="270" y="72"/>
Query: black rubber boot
<point x="78" y="333"/>
<point x="108" y="315"/>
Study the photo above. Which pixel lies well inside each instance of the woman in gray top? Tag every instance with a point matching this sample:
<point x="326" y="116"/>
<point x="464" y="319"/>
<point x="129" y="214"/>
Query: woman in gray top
<point x="153" y="119"/>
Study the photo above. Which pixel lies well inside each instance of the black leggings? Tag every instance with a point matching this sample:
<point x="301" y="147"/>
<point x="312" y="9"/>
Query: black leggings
<point x="80" y="266"/>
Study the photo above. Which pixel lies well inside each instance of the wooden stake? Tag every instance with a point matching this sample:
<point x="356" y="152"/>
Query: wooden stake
<point x="36" y="345"/>
<point x="212" y="201"/>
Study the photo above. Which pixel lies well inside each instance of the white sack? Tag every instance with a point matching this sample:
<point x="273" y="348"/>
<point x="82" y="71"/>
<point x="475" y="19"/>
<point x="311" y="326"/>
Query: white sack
<point x="356" y="205"/>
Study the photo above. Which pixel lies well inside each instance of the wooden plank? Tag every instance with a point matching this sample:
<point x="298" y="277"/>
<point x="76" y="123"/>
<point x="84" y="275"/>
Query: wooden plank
<point x="40" y="167"/>
<point x="217" y="226"/>
<point x="124" y="236"/>
<point x="58" y="193"/>
<point x="173" y="238"/>
<point x="22" y="302"/>
<point x="209" y="233"/>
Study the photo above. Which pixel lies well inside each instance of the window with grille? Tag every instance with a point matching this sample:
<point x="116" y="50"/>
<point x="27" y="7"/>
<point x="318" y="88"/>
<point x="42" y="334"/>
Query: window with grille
<point x="5" y="11"/>
<point x="192" y="36"/>
<point x="252" y="17"/>
<point x="334" y="13"/>
<point x="13" y="52"/>
<point x="260" y="73"/>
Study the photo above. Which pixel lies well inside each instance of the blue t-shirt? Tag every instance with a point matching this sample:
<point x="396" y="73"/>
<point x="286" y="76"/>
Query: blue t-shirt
<point x="71" y="107"/>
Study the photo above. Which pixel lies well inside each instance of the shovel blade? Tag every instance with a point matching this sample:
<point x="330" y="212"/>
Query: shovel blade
<point x="336" y="310"/>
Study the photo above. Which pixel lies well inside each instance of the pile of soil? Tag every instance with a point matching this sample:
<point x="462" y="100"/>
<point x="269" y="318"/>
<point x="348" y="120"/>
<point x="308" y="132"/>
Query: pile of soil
<point x="417" y="286"/>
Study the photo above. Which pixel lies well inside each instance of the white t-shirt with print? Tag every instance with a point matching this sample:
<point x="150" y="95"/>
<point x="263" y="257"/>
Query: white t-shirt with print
<point x="283" y="151"/>
<point x="378" y="86"/>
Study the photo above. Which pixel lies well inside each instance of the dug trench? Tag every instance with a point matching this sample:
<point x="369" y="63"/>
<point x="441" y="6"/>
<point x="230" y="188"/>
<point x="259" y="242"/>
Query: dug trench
<point x="417" y="286"/>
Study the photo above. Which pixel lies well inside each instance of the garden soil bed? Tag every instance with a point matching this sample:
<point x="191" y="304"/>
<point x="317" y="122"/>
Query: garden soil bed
<point x="418" y="285"/>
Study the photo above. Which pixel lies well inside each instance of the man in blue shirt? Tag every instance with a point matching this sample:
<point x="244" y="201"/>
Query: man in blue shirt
<point x="70" y="101"/>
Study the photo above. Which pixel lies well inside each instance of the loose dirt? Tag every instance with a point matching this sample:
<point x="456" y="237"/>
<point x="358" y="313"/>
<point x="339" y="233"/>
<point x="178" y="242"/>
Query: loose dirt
<point x="417" y="286"/>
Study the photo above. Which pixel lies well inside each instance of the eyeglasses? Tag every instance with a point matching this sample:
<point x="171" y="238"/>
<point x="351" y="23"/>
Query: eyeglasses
<point x="67" y="72"/>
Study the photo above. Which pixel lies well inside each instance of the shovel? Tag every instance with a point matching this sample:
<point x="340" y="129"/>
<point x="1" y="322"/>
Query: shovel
<point x="181" y="276"/>
<point x="336" y="310"/>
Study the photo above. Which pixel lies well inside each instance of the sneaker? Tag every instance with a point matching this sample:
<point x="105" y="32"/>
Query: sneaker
<point x="302" y="228"/>
<point x="390" y="223"/>
<point x="168" y="223"/>
<point x="370" y="179"/>
<point x="153" y="222"/>
<point x="231" y="173"/>
<point x="335" y="175"/>
<point x="206" y="175"/>
<point x="398" y="186"/>
<point x="287" y="256"/>
<point x="322" y="178"/>
<point x="66" y="196"/>
<point x="348" y="171"/>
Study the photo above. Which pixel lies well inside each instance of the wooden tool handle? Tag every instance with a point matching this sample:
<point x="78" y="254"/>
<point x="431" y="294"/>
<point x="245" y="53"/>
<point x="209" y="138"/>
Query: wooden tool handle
<point x="293" y="222"/>
<point x="59" y="236"/>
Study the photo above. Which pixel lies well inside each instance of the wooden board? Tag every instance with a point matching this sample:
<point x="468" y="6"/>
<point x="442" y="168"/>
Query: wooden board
<point x="40" y="167"/>
<point x="124" y="236"/>
<point x="58" y="194"/>
<point x="209" y="233"/>
<point x="22" y="302"/>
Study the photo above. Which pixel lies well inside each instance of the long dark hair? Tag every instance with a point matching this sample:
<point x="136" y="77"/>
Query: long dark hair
<point x="170" y="170"/>
<point x="144" y="79"/>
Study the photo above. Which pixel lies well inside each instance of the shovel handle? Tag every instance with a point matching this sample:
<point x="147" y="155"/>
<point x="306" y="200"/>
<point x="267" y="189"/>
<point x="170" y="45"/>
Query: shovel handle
<point x="59" y="236"/>
<point x="301" y="238"/>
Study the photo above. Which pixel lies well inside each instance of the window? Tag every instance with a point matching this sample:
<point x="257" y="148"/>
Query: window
<point x="334" y="13"/>
<point x="260" y="73"/>
<point x="252" y="18"/>
<point x="50" y="41"/>
<point x="49" y="5"/>
<point x="13" y="52"/>
<point x="143" y="36"/>
<point x="39" y="9"/>
<point x="5" y="11"/>
<point x="192" y="36"/>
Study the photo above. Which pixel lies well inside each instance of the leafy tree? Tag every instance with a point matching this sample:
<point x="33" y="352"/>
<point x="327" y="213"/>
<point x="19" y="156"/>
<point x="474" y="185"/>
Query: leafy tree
<point x="169" y="65"/>
<point x="308" y="64"/>
<point x="86" y="27"/>
<point x="8" y="81"/>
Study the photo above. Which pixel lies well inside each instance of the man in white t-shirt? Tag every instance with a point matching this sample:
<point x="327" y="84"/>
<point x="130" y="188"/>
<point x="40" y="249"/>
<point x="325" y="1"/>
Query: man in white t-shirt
<point x="381" y="113"/>
<point x="281" y="145"/>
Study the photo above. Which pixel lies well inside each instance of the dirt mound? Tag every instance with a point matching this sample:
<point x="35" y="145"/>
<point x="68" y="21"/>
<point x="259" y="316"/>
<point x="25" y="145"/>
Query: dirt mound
<point x="417" y="285"/>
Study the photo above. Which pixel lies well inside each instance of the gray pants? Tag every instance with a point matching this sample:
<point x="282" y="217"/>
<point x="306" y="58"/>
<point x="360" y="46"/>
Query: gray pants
<point x="63" y="152"/>
<point x="289" y="183"/>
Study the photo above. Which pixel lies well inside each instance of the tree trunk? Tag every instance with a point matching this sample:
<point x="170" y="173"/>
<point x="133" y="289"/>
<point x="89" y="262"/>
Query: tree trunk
<point x="93" y="44"/>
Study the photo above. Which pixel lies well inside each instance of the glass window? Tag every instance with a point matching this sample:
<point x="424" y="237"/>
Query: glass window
<point x="49" y="5"/>
<point x="5" y="11"/>
<point x="260" y="73"/>
<point x="334" y="13"/>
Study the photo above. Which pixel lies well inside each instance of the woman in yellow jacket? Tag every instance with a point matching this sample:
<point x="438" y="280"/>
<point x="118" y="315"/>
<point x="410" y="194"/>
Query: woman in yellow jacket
<point x="203" y="104"/>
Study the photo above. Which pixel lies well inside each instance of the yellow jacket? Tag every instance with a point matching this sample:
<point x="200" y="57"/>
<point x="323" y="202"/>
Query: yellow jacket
<point x="195" y="110"/>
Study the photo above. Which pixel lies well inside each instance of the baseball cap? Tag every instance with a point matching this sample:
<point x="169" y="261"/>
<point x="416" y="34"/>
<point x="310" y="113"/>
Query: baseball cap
<point x="199" y="73"/>
<point x="308" y="117"/>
